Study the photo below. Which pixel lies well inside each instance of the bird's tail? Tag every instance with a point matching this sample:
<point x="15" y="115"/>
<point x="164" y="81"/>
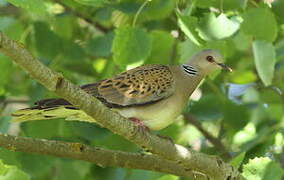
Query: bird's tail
<point x="50" y="109"/>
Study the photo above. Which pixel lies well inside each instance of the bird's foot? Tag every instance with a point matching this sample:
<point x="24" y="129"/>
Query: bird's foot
<point x="140" y="124"/>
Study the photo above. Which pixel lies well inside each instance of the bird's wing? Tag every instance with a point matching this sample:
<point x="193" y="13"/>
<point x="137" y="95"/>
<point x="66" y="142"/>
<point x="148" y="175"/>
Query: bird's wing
<point x="142" y="85"/>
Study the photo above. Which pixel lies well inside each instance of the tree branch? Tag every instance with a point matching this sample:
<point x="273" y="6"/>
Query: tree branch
<point x="215" y="141"/>
<point x="82" y="16"/>
<point x="212" y="166"/>
<point x="102" y="157"/>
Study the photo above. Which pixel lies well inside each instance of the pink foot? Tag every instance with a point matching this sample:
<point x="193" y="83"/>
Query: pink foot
<point x="139" y="123"/>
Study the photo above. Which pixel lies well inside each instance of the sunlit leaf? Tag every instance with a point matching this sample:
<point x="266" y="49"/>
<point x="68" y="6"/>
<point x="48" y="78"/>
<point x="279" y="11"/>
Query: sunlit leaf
<point x="262" y="168"/>
<point x="11" y="172"/>
<point x="212" y="27"/>
<point x="260" y="23"/>
<point x="237" y="161"/>
<point x="169" y="177"/>
<point x="162" y="48"/>
<point x="33" y="6"/>
<point x="264" y="58"/>
<point x="130" y="45"/>
<point x="188" y="25"/>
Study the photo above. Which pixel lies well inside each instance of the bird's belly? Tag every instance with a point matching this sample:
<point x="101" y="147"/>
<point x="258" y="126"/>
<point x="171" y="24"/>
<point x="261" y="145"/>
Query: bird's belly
<point x="155" y="116"/>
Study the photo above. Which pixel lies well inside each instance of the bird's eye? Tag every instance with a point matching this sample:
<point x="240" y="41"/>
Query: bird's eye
<point x="210" y="58"/>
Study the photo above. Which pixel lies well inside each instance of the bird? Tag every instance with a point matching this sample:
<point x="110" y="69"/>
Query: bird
<point x="152" y="95"/>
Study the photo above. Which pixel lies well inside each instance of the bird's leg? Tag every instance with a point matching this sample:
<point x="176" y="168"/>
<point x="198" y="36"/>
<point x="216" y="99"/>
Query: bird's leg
<point x="139" y="123"/>
<point x="141" y="126"/>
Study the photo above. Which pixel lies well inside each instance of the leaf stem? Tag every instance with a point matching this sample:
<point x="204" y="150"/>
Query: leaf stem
<point x="139" y="11"/>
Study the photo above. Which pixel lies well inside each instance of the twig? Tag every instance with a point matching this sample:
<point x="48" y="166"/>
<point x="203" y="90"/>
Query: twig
<point x="11" y="101"/>
<point x="254" y="3"/>
<point x="82" y="16"/>
<point x="212" y="166"/>
<point x="215" y="141"/>
<point x="9" y="10"/>
<point x="100" y="156"/>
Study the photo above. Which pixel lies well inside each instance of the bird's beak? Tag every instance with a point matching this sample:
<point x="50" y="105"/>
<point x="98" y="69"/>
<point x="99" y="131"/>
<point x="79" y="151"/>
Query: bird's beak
<point x="225" y="67"/>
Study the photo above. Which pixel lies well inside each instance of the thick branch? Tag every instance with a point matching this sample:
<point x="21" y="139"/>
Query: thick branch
<point x="212" y="166"/>
<point x="100" y="156"/>
<point x="215" y="141"/>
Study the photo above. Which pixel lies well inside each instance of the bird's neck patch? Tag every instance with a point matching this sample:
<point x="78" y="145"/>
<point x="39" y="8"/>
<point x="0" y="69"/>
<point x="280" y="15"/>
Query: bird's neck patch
<point x="189" y="70"/>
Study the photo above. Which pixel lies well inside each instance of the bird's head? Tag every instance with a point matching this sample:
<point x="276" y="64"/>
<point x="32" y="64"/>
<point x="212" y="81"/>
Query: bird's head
<point x="208" y="61"/>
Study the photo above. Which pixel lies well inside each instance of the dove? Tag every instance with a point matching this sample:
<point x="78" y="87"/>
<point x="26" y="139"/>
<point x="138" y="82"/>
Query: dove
<point x="150" y="95"/>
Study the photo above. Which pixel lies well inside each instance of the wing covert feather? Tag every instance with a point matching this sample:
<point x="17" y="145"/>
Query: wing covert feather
<point x="141" y="85"/>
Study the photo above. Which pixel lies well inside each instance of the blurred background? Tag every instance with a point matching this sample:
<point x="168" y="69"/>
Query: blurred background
<point x="89" y="40"/>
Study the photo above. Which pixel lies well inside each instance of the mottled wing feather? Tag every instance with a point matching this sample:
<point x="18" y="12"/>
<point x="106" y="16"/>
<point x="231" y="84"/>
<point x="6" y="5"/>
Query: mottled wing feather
<point x="141" y="85"/>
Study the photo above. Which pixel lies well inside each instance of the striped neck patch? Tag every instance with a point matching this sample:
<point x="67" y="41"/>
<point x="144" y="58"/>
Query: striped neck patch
<point x="189" y="69"/>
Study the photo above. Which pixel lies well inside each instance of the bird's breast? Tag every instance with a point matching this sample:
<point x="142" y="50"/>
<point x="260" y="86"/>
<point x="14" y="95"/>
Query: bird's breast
<point x="158" y="115"/>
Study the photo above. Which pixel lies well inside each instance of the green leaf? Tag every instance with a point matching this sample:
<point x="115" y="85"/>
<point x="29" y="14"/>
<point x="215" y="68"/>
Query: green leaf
<point x="48" y="44"/>
<point x="277" y="8"/>
<point x="11" y="172"/>
<point x="237" y="161"/>
<point x="242" y="41"/>
<point x="225" y="47"/>
<point x="130" y="45"/>
<point x="46" y="129"/>
<point x="235" y="116"/>
<point x="94" y="3"/>
<point x="264" y="58"/>
<point x="162" y="48"/>
<point x="69" y="169"/>
<point x="100" y="46"/>
<point x="36" y="165"/>
<point x="205" y="111"/>
<point x="260" y="23"/>
<point x="187" y="49"/>
<point x="73" y="52"/>
<point x="262" y="168"/>
<point x="137" y="174"/>
<point x="212" y="27"/>
<point x="154" y="10"/>
<point x="270" y="96"/>
<point x="5" y="22"/>
<point x="205" y="3"/>
<point x="158" y="9"/>
<point x="6" y="67"/>
<point x="188" y="25"/>
<point x="4" y="122"/>
<point x="169" y="177"/>
<point x="221" y="4"/>
<point x="33" y="6"/>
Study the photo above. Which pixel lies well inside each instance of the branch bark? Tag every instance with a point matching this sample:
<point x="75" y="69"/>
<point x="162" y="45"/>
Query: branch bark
<point x="102" y="157"/>
<point x="212" y="166"/>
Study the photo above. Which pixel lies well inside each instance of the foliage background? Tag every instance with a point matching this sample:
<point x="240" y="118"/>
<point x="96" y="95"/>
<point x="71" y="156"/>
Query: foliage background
<point x="88" y="40"/>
